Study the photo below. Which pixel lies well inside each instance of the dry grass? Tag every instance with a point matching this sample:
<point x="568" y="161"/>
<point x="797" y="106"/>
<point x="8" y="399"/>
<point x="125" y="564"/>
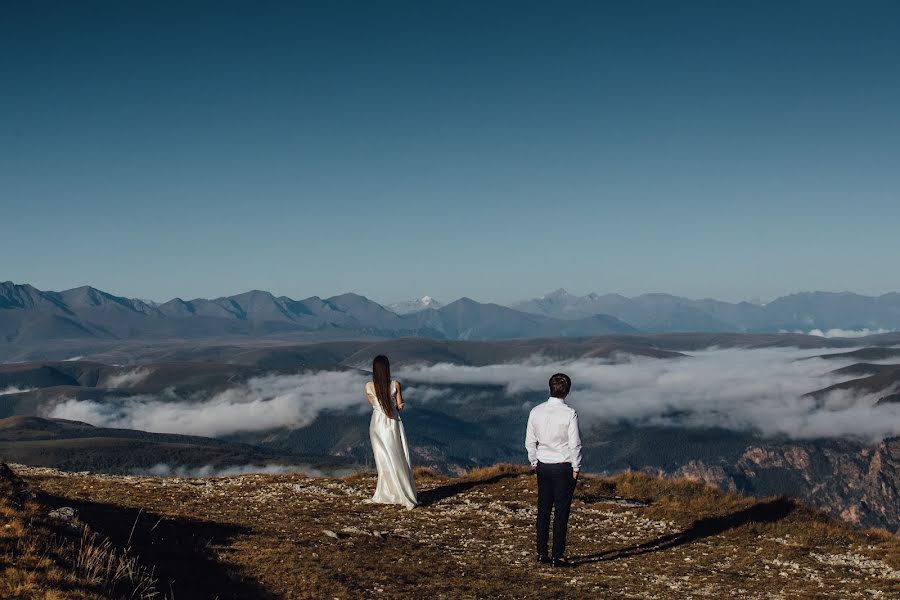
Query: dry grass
<point x="99" y="563"/>
<point x="635" y="536"/>
<point x="41" y="558"/>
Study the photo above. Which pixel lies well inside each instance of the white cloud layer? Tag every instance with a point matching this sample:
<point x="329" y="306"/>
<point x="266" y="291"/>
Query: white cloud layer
<point x="125" y="379"/>
<point x="747" y="390"/>
<point x="847" y="333"/>
<point x="14" y="390"/>
<point x="259" y="404"/>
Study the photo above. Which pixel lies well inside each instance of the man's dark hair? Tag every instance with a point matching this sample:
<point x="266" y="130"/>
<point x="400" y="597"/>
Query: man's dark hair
<point x="560" y="384"/>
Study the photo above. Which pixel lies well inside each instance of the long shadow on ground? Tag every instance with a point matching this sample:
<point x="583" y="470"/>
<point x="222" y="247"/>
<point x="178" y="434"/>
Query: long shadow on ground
<point x="762" y="512"/>
<point x="448" y="491"/>
<point x="181" y="550"/>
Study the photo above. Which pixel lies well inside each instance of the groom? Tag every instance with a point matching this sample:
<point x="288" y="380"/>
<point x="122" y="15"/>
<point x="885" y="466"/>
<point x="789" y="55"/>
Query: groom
<point x="554" y="450"/>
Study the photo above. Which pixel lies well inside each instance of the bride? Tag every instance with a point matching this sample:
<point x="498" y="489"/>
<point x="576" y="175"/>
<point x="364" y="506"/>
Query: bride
<point x="395" y="478"/>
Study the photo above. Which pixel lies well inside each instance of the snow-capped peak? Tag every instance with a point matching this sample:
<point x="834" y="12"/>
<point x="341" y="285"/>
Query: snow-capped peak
<point x="411" y="306"/>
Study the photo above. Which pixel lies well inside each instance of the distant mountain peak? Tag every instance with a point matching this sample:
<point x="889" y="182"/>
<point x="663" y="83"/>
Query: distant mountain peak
<point x="564" y="295"/>
<point x="350" y="296"/>
<point x="251" y="294"/>
<point x="412" y="306"/>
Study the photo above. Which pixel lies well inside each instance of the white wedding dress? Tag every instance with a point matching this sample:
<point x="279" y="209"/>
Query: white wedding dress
<point x="395" y="479"/>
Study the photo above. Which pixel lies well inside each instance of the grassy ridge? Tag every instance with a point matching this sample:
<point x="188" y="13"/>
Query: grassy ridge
<point x="634" y="536"/>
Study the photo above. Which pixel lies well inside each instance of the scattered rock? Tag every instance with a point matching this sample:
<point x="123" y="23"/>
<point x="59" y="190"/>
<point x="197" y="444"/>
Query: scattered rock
<point x="616" y="500"/>
<point x="497" y="520"/>
<point x="348" y="531"/>
<point x="66" y="513"/>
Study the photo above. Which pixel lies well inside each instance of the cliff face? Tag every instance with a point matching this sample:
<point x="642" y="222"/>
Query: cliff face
<point x="858" y="484"/>
<point x="632" y="535"/>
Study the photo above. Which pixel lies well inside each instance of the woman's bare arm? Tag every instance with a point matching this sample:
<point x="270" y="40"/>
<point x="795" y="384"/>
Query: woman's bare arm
<point x="369" y="397"/>
<point x="400" y="404"/>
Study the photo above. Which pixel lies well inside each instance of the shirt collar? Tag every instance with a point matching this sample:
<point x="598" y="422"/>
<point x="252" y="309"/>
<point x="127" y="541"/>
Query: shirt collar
<point x="555" y="399"/>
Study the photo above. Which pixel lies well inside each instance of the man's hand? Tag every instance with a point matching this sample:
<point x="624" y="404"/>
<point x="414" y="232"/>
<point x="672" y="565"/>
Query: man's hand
<point x="575" y="475"/>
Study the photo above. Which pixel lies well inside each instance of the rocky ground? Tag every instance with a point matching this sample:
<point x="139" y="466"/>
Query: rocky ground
<point x="633" y="536"/>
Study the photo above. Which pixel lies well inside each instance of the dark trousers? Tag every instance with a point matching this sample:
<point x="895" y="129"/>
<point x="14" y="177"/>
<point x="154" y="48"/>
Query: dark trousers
<point x="556" y="485"/>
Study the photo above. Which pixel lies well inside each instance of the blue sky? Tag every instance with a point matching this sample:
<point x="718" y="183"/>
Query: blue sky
<point x="491" y="149"/>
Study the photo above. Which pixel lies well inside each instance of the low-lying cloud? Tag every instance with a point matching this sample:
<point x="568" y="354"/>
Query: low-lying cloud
<point x="259" y="404"/>
<point x="126" y="379"/>
<point x="847" y="333"/>
<point x="759" y="390"/>
<point x="14" y="390"/>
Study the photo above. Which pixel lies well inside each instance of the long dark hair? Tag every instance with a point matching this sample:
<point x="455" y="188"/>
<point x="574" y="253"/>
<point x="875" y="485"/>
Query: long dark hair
<point x="381" y="377"/>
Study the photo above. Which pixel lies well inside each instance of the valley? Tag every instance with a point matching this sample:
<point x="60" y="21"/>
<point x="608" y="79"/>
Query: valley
<point x="652" y="403"/>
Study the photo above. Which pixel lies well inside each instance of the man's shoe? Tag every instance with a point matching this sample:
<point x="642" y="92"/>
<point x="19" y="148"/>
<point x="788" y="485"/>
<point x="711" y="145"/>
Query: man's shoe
<point x="543" y="559"/>
<point x="561" y="563"/>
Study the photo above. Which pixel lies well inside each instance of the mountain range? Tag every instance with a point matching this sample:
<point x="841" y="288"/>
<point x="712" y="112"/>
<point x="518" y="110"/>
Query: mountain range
<point x="32" y="318"/>
<point x="806" y="311"/>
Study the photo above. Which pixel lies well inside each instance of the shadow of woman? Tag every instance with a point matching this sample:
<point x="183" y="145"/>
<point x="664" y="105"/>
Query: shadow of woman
<point x="180" y="550"/>
<point x="443" y="492"/>
<point x="762" y="512"/>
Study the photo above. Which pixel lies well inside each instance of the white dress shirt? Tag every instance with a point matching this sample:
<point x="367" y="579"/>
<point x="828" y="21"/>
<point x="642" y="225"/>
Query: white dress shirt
<point x="552" y="434"/>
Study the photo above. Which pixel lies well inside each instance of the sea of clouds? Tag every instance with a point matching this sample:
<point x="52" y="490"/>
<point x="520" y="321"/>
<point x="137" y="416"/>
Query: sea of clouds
<point x="259" y="404"/>
<point x="761" y="390"/>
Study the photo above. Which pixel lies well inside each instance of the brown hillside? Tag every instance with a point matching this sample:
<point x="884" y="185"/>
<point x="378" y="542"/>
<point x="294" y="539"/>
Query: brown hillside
<point x="292" y="536"/>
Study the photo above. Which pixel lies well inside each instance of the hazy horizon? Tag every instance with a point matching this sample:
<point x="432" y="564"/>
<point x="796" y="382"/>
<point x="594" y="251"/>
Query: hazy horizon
<point x="443" y="300"/>
<point x="503" y="149"/>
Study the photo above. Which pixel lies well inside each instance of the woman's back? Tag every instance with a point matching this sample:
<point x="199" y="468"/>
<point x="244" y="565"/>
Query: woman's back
<point x="373" y="397"/>
<point x="395" y="479"/>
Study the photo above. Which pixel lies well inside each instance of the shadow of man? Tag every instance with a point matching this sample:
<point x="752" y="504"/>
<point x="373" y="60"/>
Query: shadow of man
<point x="762" y="512"/>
